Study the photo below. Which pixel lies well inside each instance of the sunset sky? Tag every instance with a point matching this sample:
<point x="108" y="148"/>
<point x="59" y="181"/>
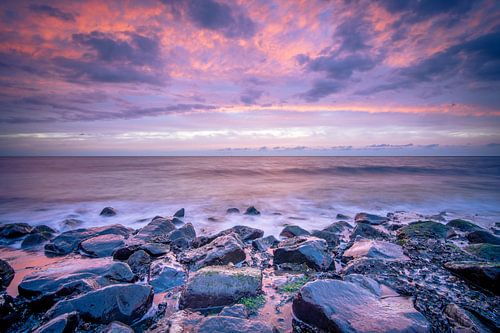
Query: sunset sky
<point x="269" y="77"/>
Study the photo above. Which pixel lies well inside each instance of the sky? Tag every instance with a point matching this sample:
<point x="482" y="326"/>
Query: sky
<point x="270" y="77"/>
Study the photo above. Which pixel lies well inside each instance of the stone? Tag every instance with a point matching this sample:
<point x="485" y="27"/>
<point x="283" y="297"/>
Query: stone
<point x="68" y="241"/>
<point x="14" y="230"/>
<point x="485" y="275"/>
<point x="215" y="286"/>
<point x="370" y="219"/>
<point x="108" y="211"/>
<point x="179" y="239"/>
<point x="71" y="223"/>
<point x="425" y="229"/>
<point x="179" y="213"/>
<point x="332" y="239"/>
<point x="310" y="251"/>
<point x="232" y="211"/>
<point x="482" y="236"/>
<point x="293" y="230"/>
<point x="155" y="228"/>
<point x="65" y="323"/>
<point x="139" y="262"/>
<point x="342" y="217"/>
<point x="252" y="211"/>
<point x="35" y="240"/>
<point x="460" y="319"/>
<point x="7" y="274"/>
<point x="122" y="302"/>
<point x="102" y="246"/>
<point x="338" y="227"/>
<point x="177" y="221"/>
<point x="117" y="327"/>
<point x="42" y="228"/>
<point x="222" y="324"/>
<point x="166" y="276"/>
<point x="264" y="243"/>
<point x="375" y="249"/>
<point x="9" y="311"/>
<point x="365" y="230"/>
<point x="341" y="306"/>
<point x="488" y="252"/>
<point x="237" y="310"/>
<point x="463" y="225"/>
<point x="245" y="233"/>
<point x="221" y="251"/>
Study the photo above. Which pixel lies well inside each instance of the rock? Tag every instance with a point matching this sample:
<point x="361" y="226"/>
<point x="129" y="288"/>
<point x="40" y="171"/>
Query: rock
<point x="331" y="238"/>
<point x="482" y="236"/>
<point x="35" y="240"/>
<point x="117" y="327"/>
<point x="139" y="263"/>
<point x="179" y="213"/>
<point x="223" y="324"/>
<point x="68" y="241"/>
<point x="338" y="227"/>
<point x="232" y="211"/>
<point x="340" y="306"/>
<point x="374" y="249"/>
<point x="485" y="275"/>
<point x="293" y="231"/>
<point x="179" y="239"/>
<point x="166" y="276"/>
<point x="45" y="229"/>
<point x="463" y="225"/>
<point x="177" y="221"/>
<point x="310" y="251"/>
<point x="153" y="249"/>
<point x="155" y="228"/>
<point x="108" y="211"/>
<point x="102" y="246"/>
<point x="264" y="243"/>
<point x="460" y="320"/>
<point x="14" y="230"/>
<point x="364" y="230"/>
<point x="488" y="252"/>
<point x="9" y="312"/>
<point x="252" y="211"/>
<point x="342" y="217"/>
<point x="64" y="323"/>
<point x="237" y="310"/>
<point x="425" y="229"/>
<point x="74" y="278"/>
<point x="71" y="223"/>
<point x="370" y="219"/>
<point x="220" y="285"/>
<point x="245" y="233"/>
<point x="6" y="274"/>
<point x="221" y="251"/>
<point x="123" y="302"/>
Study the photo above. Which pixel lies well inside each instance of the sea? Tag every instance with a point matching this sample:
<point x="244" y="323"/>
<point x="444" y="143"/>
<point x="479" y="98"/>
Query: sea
<point x="307" y="191"/>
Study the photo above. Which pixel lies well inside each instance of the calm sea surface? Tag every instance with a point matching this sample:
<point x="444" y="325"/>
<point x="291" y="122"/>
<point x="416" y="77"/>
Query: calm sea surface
<point x="308" y="191"/>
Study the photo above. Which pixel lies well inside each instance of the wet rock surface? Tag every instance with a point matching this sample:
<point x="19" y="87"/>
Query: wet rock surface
<point x="102" y="246"/>
<point x="14" y="230"/>
<point x="367" y="248"/>
<point x="6" y="274"/>
<point x="310" y="251"/>
<point x="264" y="243"/>
<point x="293" y="231"/>
<point x="482" y="236"/>
<point x="370" y="219"/>
<point x="108" y="211"/>
<point x="67" y="322"/>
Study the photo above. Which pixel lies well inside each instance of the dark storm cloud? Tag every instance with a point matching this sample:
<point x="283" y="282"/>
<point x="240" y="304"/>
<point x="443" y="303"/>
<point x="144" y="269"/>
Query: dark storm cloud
<point x="52" y="11"/>
<point x="424" y="9"/>
<point x="341" y="68"/>
<point x="250" y="96"/>
<point x="353" y="35"/>
<point x="320" y="89"/>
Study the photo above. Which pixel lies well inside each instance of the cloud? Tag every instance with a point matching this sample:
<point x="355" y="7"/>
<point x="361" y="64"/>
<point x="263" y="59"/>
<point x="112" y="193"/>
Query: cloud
<point x="52" y="12"/>
<point x="320" y="89"/>
<point x="250" y="96"/>
<point x="424" y="9"/>
<point x="353" y="35"/>
<point x="386" y="145"/>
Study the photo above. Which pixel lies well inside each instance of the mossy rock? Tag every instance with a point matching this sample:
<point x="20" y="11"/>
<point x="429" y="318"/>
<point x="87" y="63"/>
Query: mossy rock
<point x="488" y="252"/>
<point x="425" y="229"/>
<point x="463" y="225"/>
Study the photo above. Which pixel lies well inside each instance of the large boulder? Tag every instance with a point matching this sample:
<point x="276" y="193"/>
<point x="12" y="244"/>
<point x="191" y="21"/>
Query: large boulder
<point x="252" y="211"/>
<point x="165" y="276"/>
<point x="68" y="241"/>
<point x="358" y="306"/>
<point x="35" y="240"/>
<point x="482" y="236"/>
<point x="488" y="252"/>
<point x="264" y="243"/>
<point x="139" y="263"/>
<point x="375" y="249"/>
<point x="310" y="251"/>
<point x="463" y="225"/>
<point x="65" y="323"/>
<point x="370" y="218"/>
<point x="122" y="302"/>
<point x="338" y="227"/>
<point x="6" y="274"/>
<point x="179" y="239"/>
<point x="365" y="230"/>
<point x="220" y="285"/>
<point x="117" y="327"/>
<point x="108" y="211"/>
<point x="244" y="233"/>
<point x="102" y="246"/>
<point x="425" y="229"/>
<point x="14" y="230"/>
<point x="293" y="231"/>
<point x="332" y="239"/>
<point x="157" y="227"/>
<point x="485" y="275"/>
<point x="221" y="251"/>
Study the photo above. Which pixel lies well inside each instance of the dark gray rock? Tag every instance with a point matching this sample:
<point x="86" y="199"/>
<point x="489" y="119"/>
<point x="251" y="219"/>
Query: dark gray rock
<point x="310" y="251"/>
<point x="14" y="230"/>
<point x="177" y="221"/>
<point x="488" y="252"/>
<point x="331" y="238"/>
<point x="102" y="246"/>
<point x="293" y="230"/>
<point x="342" y="217"/>
<point x="45" y="229"/>
<point x="425" y="229"/>
<point x="375" y="249"/>
<point x="221" y="251"/>
<point x="166" y="276"/>
<point x="227" y="285"/>
<point x="155" y="228"/>
<point x="223" y="324"/>
<point x="64" y="323"/>
<point x="179" y="239"/>
<point x="35" y="240"/>
<point x="153" y="249"/>
<point x="71" y="223"/>
<point x="232" y="211"/>
<point x="117" y="327"/>
<point x="139" y="262"/>
<point x="264" y="243"/>
<point x="237" y="310"/>
<point x="108" y="211"/>
<point x="338" y="227"/>
<point x="370" y="219"/>
<point x="483" y="236"/>
<point x="179" y="213"/>
<point x="68" y="241"/>
<point x="463" y="225"/>
<point x="245" y="233"/>
<point x="9" y="311"/>
<point x="364" y="230"/>
<point x="252" y="211"/>
<point x="340" y="306"/>
<point x="485" y="275"/>
<point x="123" y="302"/>
<point x="6" y="274"/>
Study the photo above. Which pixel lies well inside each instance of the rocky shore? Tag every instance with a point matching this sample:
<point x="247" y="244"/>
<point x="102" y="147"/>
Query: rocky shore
<point x="367" y="273"/>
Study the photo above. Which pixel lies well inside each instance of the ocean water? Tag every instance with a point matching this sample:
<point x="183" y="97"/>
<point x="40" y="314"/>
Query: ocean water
<point x="308" y="191"/>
